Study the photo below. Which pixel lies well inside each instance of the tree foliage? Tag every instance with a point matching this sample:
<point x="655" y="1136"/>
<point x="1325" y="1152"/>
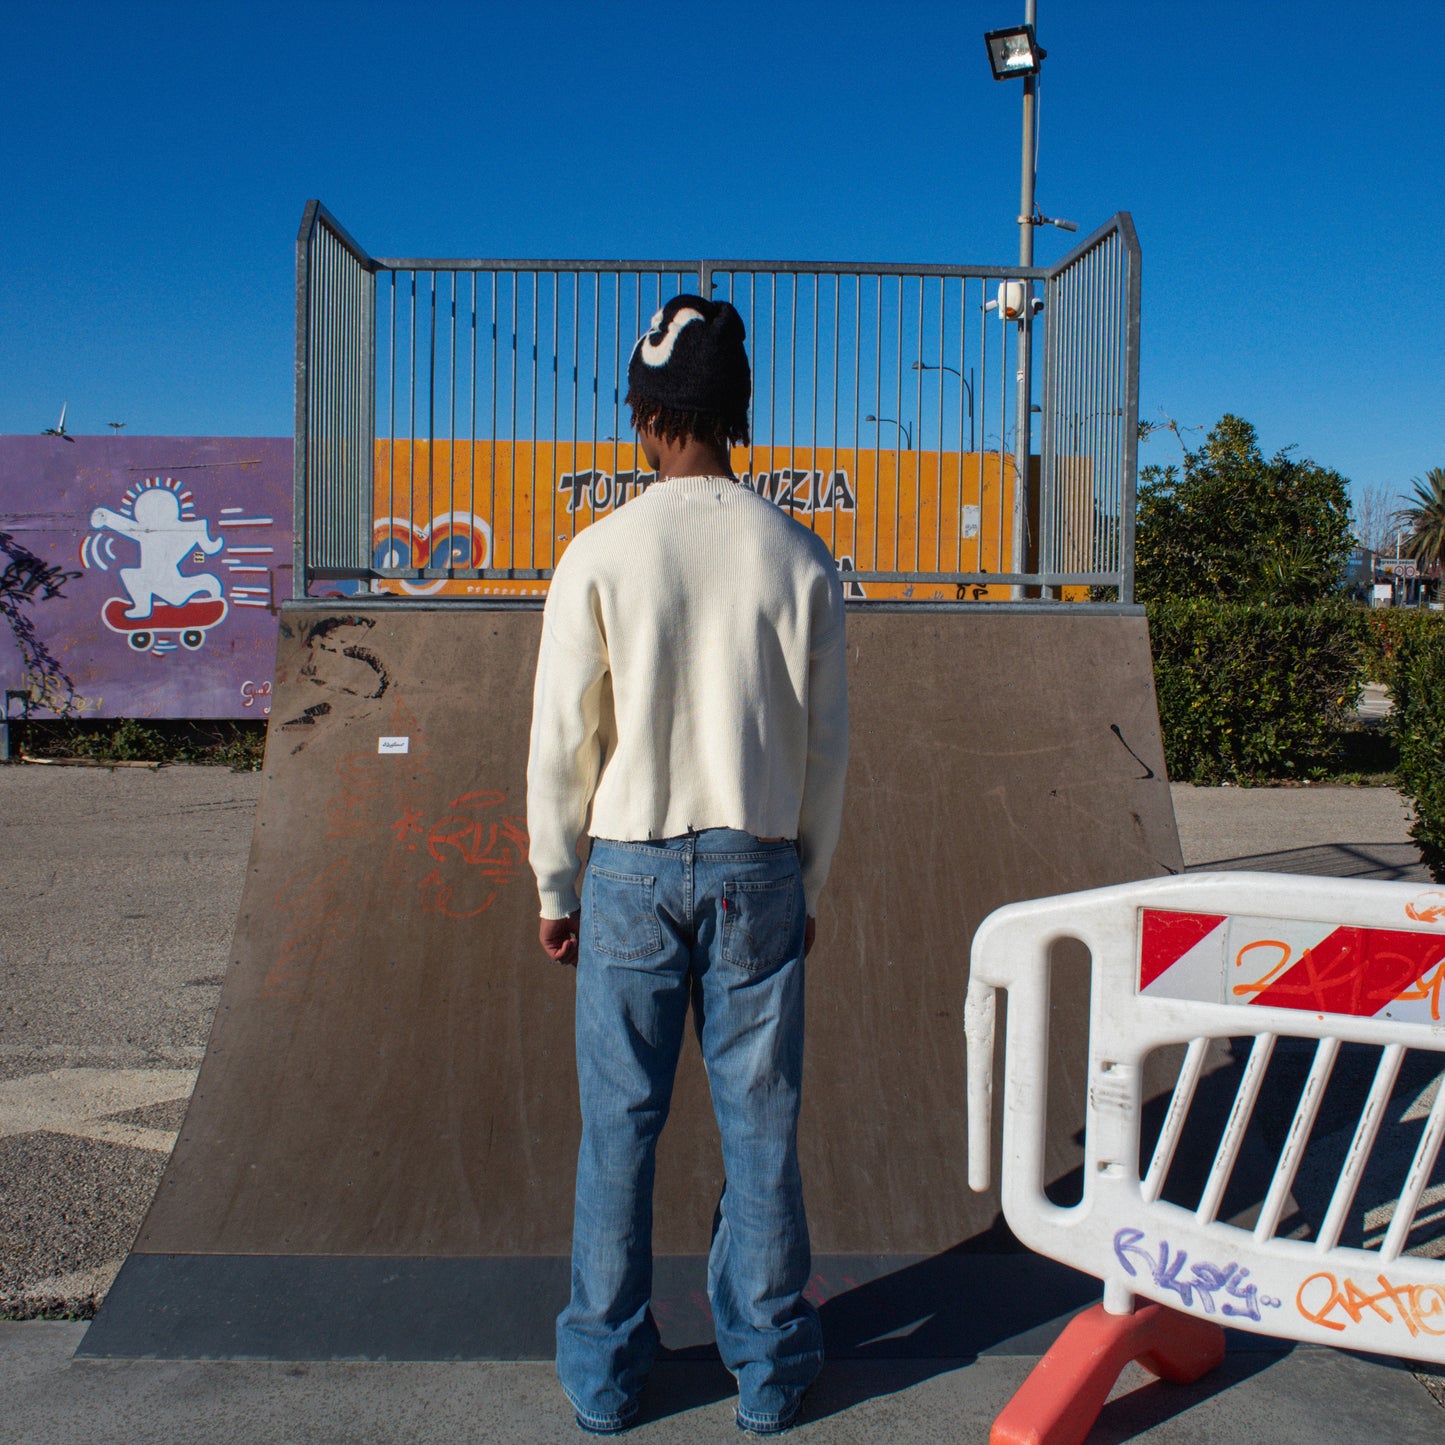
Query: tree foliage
<point x="1240" y="527"/>
<point x="1424" y="515"/>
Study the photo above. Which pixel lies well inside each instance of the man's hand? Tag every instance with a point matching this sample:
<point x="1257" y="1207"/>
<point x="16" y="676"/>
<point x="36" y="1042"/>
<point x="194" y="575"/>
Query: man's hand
<point x="810" y="932"/>
<point x="559" y="938"/>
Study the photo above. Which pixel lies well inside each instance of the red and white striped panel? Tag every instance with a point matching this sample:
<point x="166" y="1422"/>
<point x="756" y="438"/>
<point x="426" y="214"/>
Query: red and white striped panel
<point x="1391" y="973"/>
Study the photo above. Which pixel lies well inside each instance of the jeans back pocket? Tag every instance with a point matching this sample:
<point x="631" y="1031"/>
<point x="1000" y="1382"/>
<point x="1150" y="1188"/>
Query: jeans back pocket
<point x="624" y="921"/>
<point x="760" y="921"/>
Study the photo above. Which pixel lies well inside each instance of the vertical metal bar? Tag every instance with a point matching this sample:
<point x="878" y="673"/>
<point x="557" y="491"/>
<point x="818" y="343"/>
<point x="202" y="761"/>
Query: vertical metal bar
<point x="512" y="443"/>
<point x="1049" y="518"/>
<point x="857" y="409"/>
<point x="303" y="366"/>
<point x="773" y="373"/>
<point x="1359" y="1152"/>
<point x="556" y="383"/>
<point x="938" y="484"/>
<point x="411" y="421"/>
<point x="963" y="449"/>
<point x="532" y="510"/>
<point x="617" y="377"/>
<point x="390" y="552"/>
<point x="792" y="378"/>
<point x="753" y="402"/>
<point x="431" y="393"/>
<point x="898" y="439"/>
<point x="1129" y="479"/>
<point x="452" y="437"/>
<point x="833" y="448"/>
<point x="1238" y="1122"/>
<point x="486" y="558"/>
<point x="596" y="363"/>
<point x="917" y="436"/>
<point x="877" y="411"/>
<point x="813" y="414"/>
<point x="366" y="523"/>
<point x="496" y="439"/>
<point x="576" y="388"/>
<point x="1003" y="330"/>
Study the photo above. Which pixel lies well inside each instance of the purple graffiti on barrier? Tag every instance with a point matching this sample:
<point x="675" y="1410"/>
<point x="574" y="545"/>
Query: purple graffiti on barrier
<point x="176" y="552"/>
<point x="1204" y="1280"/>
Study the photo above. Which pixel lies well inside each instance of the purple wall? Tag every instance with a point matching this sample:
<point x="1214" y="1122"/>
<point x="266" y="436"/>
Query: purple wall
<point x="151" y="569"/>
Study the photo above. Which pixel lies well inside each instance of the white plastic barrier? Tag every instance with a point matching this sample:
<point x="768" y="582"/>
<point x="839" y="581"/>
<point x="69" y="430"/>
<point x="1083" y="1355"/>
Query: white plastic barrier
<point x="1183" y="961"/>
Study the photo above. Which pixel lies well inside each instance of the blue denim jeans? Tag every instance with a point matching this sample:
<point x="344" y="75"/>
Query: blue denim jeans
<point x="715" y="918"/>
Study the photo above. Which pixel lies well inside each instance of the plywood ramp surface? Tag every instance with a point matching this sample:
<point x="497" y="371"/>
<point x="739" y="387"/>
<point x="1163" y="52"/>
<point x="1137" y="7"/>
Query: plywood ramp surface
<point x="391" y="1069"/>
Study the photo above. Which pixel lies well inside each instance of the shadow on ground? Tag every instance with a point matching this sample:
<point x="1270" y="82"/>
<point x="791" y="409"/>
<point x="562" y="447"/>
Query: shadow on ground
<point x="1388" y="861"/>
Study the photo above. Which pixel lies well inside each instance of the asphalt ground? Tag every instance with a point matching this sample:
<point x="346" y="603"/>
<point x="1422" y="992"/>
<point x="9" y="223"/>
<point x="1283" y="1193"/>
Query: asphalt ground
<point x="117" y="900"/>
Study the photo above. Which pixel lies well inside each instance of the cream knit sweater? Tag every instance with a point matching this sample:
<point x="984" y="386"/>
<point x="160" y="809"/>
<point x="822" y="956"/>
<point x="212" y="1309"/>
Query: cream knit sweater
<point x="692" y="675"/>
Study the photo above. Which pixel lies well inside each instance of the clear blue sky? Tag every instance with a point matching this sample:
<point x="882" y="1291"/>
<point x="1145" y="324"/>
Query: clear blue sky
<point x="1285" y="167"/>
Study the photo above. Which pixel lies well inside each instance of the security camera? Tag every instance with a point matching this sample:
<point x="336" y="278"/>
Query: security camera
<point x="1036" y="304"/>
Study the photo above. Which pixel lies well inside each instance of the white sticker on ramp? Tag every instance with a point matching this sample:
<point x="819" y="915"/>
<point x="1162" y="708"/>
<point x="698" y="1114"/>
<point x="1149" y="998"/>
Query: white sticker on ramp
<point x="393" y="745"/>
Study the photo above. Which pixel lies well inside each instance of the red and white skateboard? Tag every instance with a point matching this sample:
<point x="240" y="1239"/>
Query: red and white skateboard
<point x="190" y="622"/>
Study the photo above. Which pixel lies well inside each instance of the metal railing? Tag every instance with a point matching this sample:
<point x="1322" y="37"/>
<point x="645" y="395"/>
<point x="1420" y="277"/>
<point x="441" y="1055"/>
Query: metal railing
<point x="1089" y="438"/>
<point x="458" y="421"/>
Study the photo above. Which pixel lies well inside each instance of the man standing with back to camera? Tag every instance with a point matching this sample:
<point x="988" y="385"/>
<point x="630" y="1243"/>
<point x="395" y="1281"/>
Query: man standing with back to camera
<point x="691" y="688"/>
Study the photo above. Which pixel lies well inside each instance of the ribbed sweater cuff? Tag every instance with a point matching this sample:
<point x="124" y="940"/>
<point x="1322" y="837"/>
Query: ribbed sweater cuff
<point x="559" y="903"/>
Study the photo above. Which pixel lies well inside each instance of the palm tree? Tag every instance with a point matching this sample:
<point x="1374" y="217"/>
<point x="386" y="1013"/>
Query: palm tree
<point x="1425" y="517"/>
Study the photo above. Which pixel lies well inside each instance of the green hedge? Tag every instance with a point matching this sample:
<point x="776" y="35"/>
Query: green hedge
<point x="1251" y="692"/>
<point x="1387" y="629"/>
<point x="1416" y="678"/>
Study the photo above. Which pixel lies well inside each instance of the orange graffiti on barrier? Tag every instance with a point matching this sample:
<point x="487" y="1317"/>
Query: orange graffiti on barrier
<point x="1243" y="990"/>
<point x="1355" y="971"/>
<point x="1416" y="1305"/>
<point x="1428" y="987"/>
<point x="1424" y="910"/>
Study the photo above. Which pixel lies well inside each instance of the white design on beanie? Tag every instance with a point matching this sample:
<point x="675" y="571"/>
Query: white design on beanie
<point x="658" y="353"/>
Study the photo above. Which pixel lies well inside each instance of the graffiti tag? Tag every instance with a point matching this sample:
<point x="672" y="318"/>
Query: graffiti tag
<point x="1427" y="908"/>
<point x="1242" y="1299"/>
<point x="793" y="490"/>
<point x="1337" y="1304"/>
<point x="254" y="692"/>
<point x="803" y="491"/>
<point x="495" y="848"/>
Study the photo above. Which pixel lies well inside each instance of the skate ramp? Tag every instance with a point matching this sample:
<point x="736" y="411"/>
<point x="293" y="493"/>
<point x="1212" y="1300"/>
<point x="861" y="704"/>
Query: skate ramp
<point x="378" y="1158"/>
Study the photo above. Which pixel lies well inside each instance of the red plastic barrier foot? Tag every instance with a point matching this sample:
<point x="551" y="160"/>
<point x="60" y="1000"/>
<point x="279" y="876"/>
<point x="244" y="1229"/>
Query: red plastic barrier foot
<point x="1062" y="1397"/>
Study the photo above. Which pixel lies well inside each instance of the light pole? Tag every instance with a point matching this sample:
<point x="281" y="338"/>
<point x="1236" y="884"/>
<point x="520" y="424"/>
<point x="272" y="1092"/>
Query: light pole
<point x="965" y="381"/>
<point x="1015" y="51"/>
<point x="907" y="435"/>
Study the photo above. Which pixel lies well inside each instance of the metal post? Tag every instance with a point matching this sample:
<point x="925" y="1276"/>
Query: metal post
<point x="1022" y="439"/>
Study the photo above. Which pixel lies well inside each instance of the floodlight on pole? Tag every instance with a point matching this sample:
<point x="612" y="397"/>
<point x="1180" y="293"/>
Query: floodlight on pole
<point x="1014" y="50"/>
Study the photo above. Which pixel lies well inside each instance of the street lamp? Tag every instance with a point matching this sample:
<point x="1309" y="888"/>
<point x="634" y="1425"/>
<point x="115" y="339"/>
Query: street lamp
<point x="907" y="435"/>
<point x="1015" y="51"/>
<point x="967" y="383"/>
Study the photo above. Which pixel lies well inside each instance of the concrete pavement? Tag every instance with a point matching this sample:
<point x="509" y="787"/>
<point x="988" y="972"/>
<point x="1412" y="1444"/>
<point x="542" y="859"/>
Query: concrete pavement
<point x="110" y="956"/>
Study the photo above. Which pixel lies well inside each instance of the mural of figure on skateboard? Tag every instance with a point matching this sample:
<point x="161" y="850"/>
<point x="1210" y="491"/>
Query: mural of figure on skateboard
<point x="165" y="538"/>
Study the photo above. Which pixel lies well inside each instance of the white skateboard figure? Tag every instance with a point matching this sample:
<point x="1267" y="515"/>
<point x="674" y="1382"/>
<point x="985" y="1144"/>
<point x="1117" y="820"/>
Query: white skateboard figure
<point x="165" y="541"/>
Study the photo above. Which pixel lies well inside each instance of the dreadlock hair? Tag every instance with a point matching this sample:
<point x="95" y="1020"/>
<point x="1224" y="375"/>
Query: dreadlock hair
<point x="720" y="430"/>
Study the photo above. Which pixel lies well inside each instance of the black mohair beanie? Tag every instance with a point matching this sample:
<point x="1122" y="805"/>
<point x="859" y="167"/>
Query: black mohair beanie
<point x="693" y="359"/>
